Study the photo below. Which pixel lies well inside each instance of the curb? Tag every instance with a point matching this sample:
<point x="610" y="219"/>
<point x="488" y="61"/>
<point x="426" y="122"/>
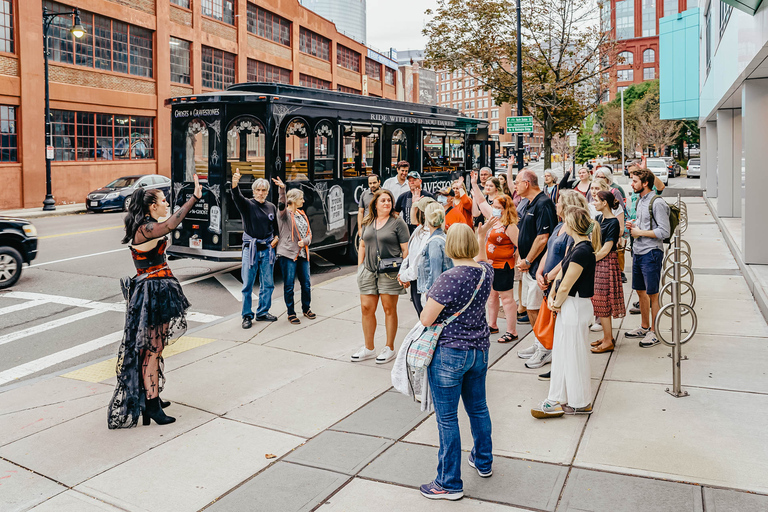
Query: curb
<point x="38" y="213"/>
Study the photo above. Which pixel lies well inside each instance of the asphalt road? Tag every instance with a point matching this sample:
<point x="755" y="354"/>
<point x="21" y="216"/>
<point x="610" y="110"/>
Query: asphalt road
<point x="67" y="309"/>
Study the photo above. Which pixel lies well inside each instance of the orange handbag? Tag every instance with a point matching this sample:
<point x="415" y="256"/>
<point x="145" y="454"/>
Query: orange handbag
<point x="544" y="328"/>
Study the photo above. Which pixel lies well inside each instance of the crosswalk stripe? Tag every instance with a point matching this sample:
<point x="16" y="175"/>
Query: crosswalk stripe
<point x="22" y="306"/>
<point x="232" y="285"/>
<point x="37" y="329"/>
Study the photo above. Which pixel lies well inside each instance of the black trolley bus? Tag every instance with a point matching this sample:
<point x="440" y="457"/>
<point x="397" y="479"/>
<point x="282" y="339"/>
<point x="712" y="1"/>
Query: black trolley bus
<point x="324" y="142"/>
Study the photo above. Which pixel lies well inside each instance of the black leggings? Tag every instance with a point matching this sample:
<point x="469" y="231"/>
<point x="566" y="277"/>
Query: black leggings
<point x="416" y="298"/>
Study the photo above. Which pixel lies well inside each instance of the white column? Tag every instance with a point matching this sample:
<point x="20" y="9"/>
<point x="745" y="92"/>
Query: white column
<point x="711" y="184"/>
<point x="703" y="157"/>
<point x="754" y="108"/>
<point x="724" y="163"/>
<point x="736" y="189"/>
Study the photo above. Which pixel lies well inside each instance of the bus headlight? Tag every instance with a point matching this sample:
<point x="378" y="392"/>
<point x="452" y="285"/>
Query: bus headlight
<point x="177" y="234"/>
<point x="215" y="239"/>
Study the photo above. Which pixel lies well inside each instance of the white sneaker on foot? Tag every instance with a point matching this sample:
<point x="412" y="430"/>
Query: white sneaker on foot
<point x="596" y="327"/>
<point x="539" y="359"/>
<point x="527" y="353"/>
<point x="385" y="356"/>
<point x="363" y="354"/>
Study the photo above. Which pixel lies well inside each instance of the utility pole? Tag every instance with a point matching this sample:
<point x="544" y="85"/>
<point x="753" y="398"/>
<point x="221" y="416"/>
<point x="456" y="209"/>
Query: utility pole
<point x="520" y="149"/>
<point x="623" y="163"/>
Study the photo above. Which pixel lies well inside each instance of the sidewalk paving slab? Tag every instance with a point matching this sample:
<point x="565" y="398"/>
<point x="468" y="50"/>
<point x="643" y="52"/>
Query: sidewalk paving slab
<point x="641" y="430"/>
<point x="284" y="487"/>
<point x="74" y="501"/>
<point x="593" y="491"/>
<point x="280" y="329"/>
<point x="192" y="470"/>
<point x="514" y="481"/>
<point x="392" y="415"/>
<point x="21" y="489"/>
<point x="339" y="451"/>
<point x="380" y="497"/>
<point x="79" y="449"/>
<point x="315" y="401"/>
<point x="51" y="391"/>
<point x="724" y="500"/>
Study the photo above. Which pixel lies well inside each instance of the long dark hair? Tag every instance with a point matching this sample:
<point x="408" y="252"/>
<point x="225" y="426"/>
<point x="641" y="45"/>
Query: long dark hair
<point x="138" y="209"/>
<point x="608" y="198"/>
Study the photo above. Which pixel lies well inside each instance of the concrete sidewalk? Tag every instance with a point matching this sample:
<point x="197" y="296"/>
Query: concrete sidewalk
<point x="38" y="212"/>
<point x="276" y="418"/>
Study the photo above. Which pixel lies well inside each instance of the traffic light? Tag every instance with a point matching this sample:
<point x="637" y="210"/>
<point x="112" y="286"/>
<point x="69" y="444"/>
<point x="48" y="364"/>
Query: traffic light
<point x="501" y="131"/>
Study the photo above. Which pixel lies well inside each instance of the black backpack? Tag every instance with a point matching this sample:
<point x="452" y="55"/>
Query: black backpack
<point x="674" y="217"/>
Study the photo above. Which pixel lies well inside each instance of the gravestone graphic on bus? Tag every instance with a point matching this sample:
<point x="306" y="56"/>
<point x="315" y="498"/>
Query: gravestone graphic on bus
<point x="335" y="210"/>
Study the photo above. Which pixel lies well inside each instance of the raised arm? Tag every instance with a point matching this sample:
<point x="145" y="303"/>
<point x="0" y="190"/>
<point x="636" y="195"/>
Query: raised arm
<point x="479" y="200"/>
<point x="282" y="203"/>
<point x="154" y="229"/>
<point x="482" y="235"/>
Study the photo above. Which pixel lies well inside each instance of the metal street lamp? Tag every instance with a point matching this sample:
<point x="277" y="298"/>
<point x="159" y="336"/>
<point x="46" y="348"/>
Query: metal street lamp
<point x="78" y="31"/>
<point x="520" y="149"/>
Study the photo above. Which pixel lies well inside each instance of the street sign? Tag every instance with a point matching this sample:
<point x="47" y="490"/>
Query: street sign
<point x="520" y="124"/>
<point x="573" y="140"/>
<point x="49" y="152"/>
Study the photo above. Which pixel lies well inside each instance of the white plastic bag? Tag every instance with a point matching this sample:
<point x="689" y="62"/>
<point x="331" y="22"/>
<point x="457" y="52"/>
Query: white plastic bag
<point x="400" y="378"/>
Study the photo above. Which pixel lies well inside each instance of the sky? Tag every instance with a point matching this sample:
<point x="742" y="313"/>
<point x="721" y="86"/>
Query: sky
<point x="397" y="23"/>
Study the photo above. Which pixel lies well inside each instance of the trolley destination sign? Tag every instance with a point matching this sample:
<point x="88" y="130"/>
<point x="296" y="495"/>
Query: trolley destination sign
<point x="520" y="124"/>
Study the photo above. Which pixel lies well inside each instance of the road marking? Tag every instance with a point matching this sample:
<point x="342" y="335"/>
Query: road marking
<point x="78" y="257"/>
<point x="232" y="285"/>
<point x="31" y="331"/>
<point x="206" y="276"/>
<point x="21" y="306"/>
<point x="79" y="232"/>
<point x="68" y="301"/>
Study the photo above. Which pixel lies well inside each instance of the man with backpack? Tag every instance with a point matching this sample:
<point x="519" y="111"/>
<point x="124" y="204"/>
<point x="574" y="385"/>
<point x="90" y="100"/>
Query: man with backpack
<point x="649" y="230"/>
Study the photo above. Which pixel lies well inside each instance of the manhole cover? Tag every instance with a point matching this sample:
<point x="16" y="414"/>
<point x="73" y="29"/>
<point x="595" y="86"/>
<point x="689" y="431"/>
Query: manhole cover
<point x="191" y="271"/>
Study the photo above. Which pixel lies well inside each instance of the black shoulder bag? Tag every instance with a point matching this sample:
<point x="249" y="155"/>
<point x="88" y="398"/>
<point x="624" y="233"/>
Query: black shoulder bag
<point x="385" y="265"/>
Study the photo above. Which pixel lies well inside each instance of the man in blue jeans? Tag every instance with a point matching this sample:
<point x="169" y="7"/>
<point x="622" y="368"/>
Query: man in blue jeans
<point x="649" y="230"/>
<point x="259" y="241"/>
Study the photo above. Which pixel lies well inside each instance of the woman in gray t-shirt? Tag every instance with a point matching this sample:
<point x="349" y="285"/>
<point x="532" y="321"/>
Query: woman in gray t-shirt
<point x="384" y="235"/>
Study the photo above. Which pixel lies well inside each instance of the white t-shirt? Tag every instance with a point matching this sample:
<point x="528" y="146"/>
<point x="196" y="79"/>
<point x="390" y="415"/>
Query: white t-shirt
<point x="396" y="188"/>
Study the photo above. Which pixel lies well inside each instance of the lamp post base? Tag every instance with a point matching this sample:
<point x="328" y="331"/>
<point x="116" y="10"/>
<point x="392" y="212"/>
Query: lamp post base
<point x="49" y="203"/>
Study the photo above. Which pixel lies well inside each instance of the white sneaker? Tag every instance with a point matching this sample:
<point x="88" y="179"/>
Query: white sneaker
<point x="385" y="356"/>
<point x="363" y="354"/>
<point x="527" y="353"/>
<point x="539" y="359"/>
<point x="596" y="327"/>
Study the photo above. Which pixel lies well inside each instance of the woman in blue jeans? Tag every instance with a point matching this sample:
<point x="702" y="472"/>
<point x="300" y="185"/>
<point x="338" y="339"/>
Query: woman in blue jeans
<point x="460" y="362"/>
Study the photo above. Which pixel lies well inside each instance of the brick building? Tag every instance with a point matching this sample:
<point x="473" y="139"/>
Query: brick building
<point x="108" y="88"/>
<point x="635" y="26"/>
<point x="460" y="91"/>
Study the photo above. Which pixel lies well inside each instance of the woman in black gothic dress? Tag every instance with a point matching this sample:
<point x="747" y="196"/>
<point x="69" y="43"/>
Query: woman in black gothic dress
<point x="155" y="312"/>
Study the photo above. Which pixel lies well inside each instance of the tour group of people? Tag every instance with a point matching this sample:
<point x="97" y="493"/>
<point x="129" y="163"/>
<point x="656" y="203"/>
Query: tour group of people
<point x="460" y="253"/>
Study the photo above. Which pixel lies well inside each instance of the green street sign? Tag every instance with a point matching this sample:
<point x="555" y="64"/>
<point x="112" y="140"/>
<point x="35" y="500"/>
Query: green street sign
<point x="520" y="124"/>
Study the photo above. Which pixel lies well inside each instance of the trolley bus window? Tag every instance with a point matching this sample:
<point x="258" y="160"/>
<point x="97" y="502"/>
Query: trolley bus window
<point x="197" y="150"/>
<point x="246" y="142"/>
<point x="362" y="151"/>
<point x="399" y="147"/>
<point x="325" y="151"/>
<point x="443" y="151"/>
<point x="296" y="151"/>
<point x="456" y="147"/>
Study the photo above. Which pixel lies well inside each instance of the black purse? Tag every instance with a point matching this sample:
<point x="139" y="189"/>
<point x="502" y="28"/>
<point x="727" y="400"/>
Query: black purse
<point x="385" y="265"/>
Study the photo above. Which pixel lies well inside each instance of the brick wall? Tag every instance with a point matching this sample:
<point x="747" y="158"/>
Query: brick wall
<point x="270" y="48"/>
<point x="312" y="62"/>
<point x="9" y="66"/>
<point x="180" y="90"/>
<point x="10" y="192"/>
<point x="353" y="79"/>
<point x="181" y="16"/>
<point x="147" y="6"/>
<point x="219" y="29"/>
<point x="101" y="80"/>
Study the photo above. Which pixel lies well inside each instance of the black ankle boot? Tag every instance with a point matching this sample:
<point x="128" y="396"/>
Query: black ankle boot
<point x="164" y="403"/>
<point x="155" y="412"/>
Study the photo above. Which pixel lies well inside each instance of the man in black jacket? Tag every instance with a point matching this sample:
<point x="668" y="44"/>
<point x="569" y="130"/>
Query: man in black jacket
<point x="259" y="241"/>
<point x="407" y="200"/>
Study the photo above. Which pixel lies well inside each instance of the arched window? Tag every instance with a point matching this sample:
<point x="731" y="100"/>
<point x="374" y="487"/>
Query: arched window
<point x="246" y="141"/>
<point x="625" y="58"/>
<point x="197" y="147"/>
<point x="296" y="150"/>
<point x="649" y="55"/>
<point x="325" y="151"/>
<point x="399" y="147"/>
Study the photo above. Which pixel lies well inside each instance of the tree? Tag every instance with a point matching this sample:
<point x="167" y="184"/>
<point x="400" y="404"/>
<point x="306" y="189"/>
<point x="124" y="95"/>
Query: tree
<point x="562" y="48"/>
<point x="653" y="130"/>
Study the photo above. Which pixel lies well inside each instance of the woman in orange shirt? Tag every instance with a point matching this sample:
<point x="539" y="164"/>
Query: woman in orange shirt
<point x="459" y="206"/>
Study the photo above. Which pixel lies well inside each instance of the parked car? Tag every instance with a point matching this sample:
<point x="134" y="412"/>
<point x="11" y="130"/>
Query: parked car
<point x="18" y="245"/>
<point x="659" y="167"/>
<point x="501" y="165"/>
<point x="628" y="164"/>
<point x="694" y="168"/>
<point x="117" y="194"/>
<point x="672" y="166"/>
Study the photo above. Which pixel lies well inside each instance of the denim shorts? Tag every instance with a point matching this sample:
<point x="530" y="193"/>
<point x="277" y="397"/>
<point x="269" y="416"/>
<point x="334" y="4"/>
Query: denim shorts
<point x="646" y="271"/>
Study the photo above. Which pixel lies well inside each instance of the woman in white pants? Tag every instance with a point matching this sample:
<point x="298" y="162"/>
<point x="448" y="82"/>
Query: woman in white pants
<point x="570" y="391"/>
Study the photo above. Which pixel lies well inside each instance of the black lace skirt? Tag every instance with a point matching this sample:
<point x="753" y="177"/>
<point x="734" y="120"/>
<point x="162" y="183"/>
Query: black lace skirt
<point x="154" y="318"/>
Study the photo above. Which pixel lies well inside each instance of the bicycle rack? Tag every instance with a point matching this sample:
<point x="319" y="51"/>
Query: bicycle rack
<point x="681" y="275"/>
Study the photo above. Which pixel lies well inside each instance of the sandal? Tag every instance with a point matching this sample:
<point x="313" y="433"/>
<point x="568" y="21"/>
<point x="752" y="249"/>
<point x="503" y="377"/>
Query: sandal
<point x="494" y="330"/>
<point x="310" y="315"/>
<point x="294" y="319"/>
<point x="598" y="350"/>
<point x="508" y="337"/>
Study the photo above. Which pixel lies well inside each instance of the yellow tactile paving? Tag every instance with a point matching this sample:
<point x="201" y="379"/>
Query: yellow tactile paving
<point x="106" y="369"/>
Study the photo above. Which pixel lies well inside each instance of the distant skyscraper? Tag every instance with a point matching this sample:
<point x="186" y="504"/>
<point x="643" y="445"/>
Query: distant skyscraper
<point x="348" y="15"/>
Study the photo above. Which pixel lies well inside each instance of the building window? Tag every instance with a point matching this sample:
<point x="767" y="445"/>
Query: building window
<point x="218" y="68"/>
<point x="389" y="76"/>
<point x="625" y="75"/>
<point x="268" y="25"/>
<point x="108" y="44"/>
<point x="179" y="61"/>
<point x="347" y="58"/>
<point x="314" y="83"/>
<point x="222" y="10"/>
<point x="181" y="3"/>
<point x="348" y="90"/>
<point x="83" y="136"/>
<point x="670" y="7"/>
<point x="649" y="18"/>
<point x="262" y="72"/>
<point x="314" y="44"/>
<point x="605" y="16"/>
<point x="626" y="59"/>
<point x="9" y="141"/>
<point x="725" y="16"/>
<point x="495" y="114"/>
<point x="649" y="55"/>
<point x="649" y="73"/>
<point x="625" y="19"/>
<point x="708" y="35"/>
<point x="495" y="126"/>
<point x="373" y="69"/>
<point x="606" y="96"/>
<point x="6" y="32"/>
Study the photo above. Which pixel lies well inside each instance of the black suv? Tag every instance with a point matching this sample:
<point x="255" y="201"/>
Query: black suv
<point x="18" y="245"/>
